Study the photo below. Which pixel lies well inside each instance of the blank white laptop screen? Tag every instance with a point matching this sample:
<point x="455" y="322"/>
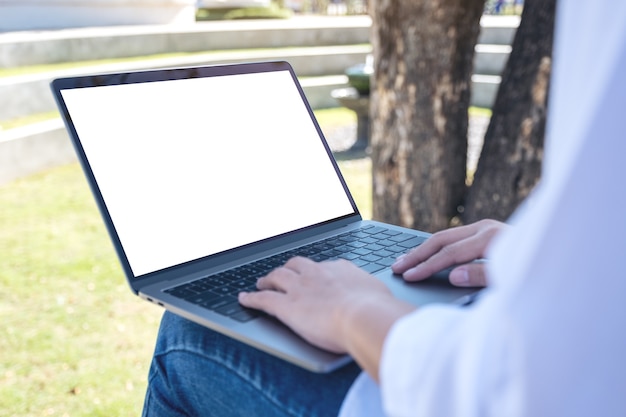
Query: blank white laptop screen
<point x="189" y="168"/>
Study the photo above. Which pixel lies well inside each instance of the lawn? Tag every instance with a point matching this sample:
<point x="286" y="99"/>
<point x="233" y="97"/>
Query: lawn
<point x="75" y="341"/>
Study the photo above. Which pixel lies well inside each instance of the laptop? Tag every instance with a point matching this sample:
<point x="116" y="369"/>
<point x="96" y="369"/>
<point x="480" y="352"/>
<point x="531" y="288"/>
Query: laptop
<point x="209" y="177"/>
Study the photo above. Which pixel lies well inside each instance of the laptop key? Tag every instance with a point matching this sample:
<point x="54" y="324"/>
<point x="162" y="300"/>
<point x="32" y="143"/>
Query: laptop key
<point x="361" y="251"/>
<point x="373" y="247"/>
<point x="238" y="312"/>
<point x="401" y="237"/>
<point x="180" y="292"/>
<point x="390" y="232"/>
<point x="219" y="302"/>
<point x="246" y="315"/>
<point x="386" y="242"/>
<point x="359" y="262"/>
<point x="386" y="261"/>
<point x="356" y="244"/>
<point x="349" y="256"/>
<point x="373" y="267"/>
<point x="374" y="229"/>
<point x="204" y="298"/>
<point x="229" y="309"/>
<point x="398" y="250"/>
<point x="411" y="243"/>
<point x="385" y="253"/>
<point x="370" y="257"/>
<point x="244" y="283"/>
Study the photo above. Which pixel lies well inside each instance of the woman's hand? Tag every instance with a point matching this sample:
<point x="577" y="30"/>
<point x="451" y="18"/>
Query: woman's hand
<point x="334" y="305"/>
<point x="445" y="249"/>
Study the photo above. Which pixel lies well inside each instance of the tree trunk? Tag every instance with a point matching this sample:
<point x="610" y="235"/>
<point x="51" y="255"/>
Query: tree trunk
<point x="423" y="52"/>
<point x="510" y="162"/>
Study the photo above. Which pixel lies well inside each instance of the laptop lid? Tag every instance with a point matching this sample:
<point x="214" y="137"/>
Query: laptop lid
<point x="191" y="167"/>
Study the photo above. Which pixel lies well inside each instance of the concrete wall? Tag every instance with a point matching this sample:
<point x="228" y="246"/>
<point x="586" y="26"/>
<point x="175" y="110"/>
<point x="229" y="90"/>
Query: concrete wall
<point x="32" y="149"/>
<point x="18" y="49"/>
<point x="61" y="14"/>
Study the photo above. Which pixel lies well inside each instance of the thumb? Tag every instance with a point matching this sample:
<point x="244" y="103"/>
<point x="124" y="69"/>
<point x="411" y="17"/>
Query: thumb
<point x="470" y="275"/>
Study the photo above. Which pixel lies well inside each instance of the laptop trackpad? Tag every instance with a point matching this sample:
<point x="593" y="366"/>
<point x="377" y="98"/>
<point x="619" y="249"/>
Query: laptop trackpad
<point x="436" y="289"/>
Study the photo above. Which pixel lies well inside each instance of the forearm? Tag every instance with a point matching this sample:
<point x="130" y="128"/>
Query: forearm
<point x="365" y="324"/>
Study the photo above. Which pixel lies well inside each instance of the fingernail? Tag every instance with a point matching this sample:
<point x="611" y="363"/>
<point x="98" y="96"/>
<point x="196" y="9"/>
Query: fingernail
<point x="411" y="272"/>
<point x="399" y="260"/>
<point x="459" y="276"/>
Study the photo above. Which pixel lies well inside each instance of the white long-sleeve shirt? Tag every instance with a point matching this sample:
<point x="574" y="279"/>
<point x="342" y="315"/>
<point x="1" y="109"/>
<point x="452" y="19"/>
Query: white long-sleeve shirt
<point x="548" y="338"/>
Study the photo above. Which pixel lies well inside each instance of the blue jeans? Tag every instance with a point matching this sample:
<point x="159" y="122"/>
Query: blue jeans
<point x="198" y="372"/>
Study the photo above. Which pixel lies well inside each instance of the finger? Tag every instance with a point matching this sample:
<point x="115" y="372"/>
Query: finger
<point x="278" y="305"/>
<point x="432" y="265"/>
<point x="465" y="250"/>
<point x="453" y="254"/>
<point x="469" y="275"/>
<point x="298" y="263"/>
<point x="432" y="246"/>
<point x="268" y="301"/>
<point x="278" y="280"/>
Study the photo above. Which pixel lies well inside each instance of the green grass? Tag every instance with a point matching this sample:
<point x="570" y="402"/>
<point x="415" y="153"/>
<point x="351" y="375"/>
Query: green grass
<point x="479" y="111"/>
<point x="75" y="341"/>
<point x="334" y="117"/>
<point x="273" y="11"/>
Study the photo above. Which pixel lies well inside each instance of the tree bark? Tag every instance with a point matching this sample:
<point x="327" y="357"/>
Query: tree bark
<point x="423" y="52"/>
<point x="510" y="163"/>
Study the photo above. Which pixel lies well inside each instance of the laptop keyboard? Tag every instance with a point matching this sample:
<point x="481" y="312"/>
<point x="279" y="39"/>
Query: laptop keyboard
<point x="371" y="248"/>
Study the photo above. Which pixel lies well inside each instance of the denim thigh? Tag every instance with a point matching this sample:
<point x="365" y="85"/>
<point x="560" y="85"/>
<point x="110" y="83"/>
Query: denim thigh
<point x="198" y="372"/>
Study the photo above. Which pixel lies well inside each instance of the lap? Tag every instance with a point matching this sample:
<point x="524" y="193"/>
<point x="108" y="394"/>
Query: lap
<point x="196" y="371"/>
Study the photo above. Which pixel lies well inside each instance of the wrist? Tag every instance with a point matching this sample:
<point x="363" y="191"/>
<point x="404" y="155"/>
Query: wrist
<point x="364" y="323"/>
